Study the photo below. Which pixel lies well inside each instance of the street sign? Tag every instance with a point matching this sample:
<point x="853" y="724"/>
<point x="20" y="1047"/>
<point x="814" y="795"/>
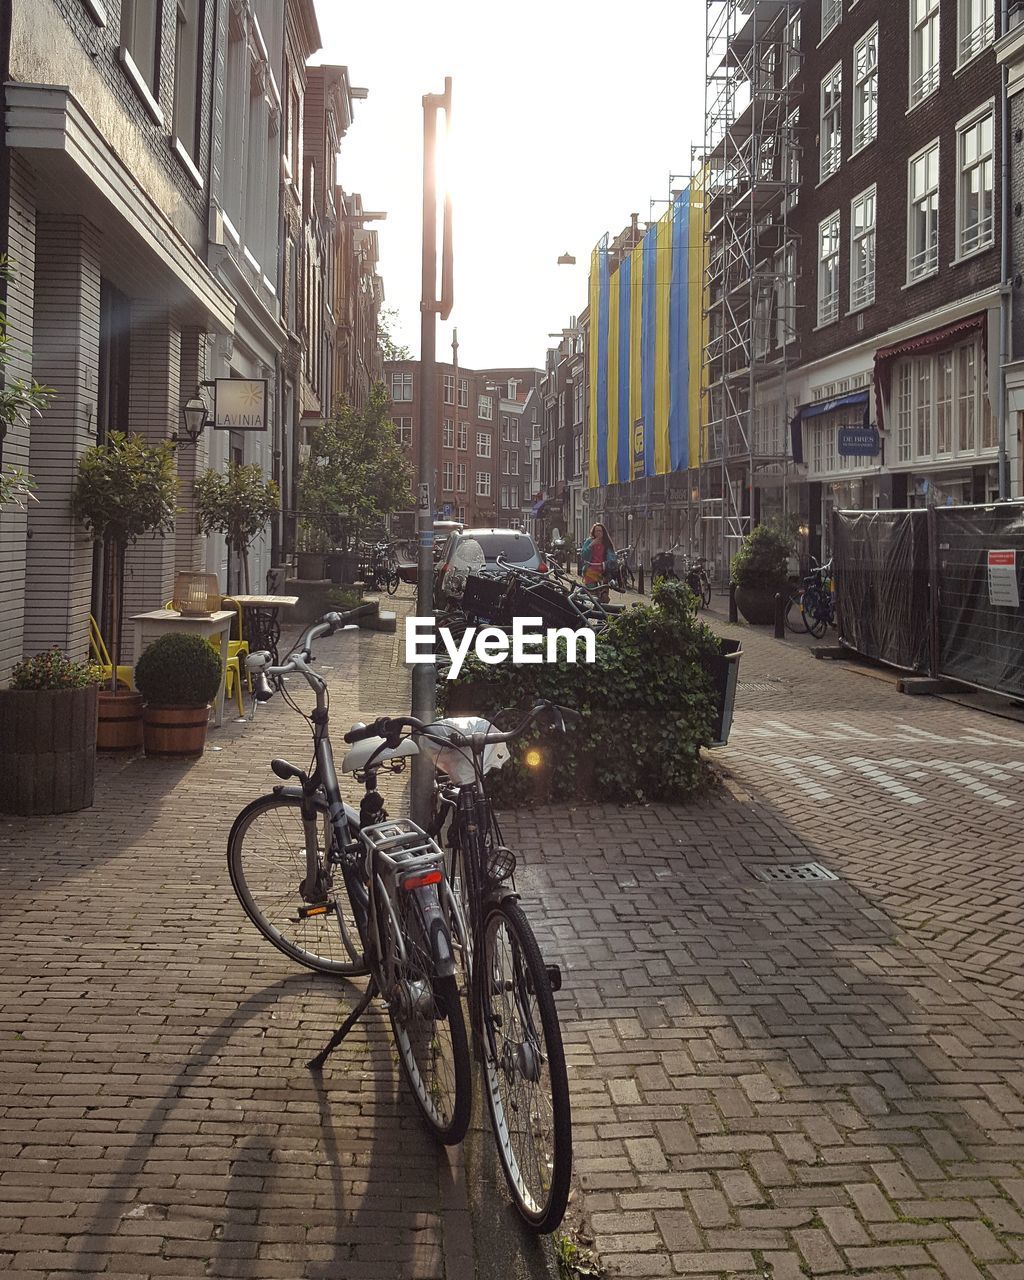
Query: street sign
<point x="859" y="442"/>
<point x="446" y="511"/>
<point x="240" y="404"/>
<point x="1003" y="588"/>
<point x="639" y="452"/>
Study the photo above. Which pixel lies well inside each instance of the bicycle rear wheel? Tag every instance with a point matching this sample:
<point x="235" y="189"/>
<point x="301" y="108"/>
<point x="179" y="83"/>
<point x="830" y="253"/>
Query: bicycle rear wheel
<point x="267" y="866"/>
<point x="392" y="581"/>
<point x="705" y="591"/>
<point x="812" y="606"/>
<point x="794" y="614"/>
<point x="525" y="1080"/>
<point x="430" y="1034"/>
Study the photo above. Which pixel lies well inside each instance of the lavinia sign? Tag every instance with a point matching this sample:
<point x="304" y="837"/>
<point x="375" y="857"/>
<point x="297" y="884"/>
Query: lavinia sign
<point x="528" y="642"/>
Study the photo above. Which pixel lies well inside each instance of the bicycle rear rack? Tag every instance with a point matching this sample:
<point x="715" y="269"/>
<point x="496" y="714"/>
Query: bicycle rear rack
<point x="402" y="848"/>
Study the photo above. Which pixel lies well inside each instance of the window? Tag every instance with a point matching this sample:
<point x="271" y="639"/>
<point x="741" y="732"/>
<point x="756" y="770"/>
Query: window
<point x="923" y="232"/>
<point x="448" y="476"/>
<point x="485" y="408"/>
<point x="401" y="387"/>
<point x="828" y="270"/>
<point x="483" y="484"/>
<point x="463" y="393"/>
<point x="785" y="295"/>
<point x="505" y="427"/>
<point x="513" y="496"/>
<point x="186" y="80"/>
<point x="976" y="28"/>
<point x="577" y="401"/>
<point x="865" y="90"/>
<point x="449" y="388"/>
<point x="791" y="53"/>
<point x="448" y="434"/>
<point x="831" y="153"/>
<point x="504" y="497"/>
<point x="975" y="174"/>
<point x="791" y="160"/>
<point x="831" y="16"/>
<point x="561" y="462"/>
<point x="940" y="407"/>
<point x="924" y="49"/>
<point x="513" y="432"/>
<point x="460" y="477"/>
<point x="463" y="436"/>
<point x="513" y="458"/>
<point x="140" y="40"/>
<point x="403" y="426"/>
<point x="483" y="444"/>
<point x="862" y="250"/>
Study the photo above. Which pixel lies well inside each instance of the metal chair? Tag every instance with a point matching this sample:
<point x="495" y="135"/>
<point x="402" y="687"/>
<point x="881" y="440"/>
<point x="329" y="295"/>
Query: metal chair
<point x="100" y="655"/>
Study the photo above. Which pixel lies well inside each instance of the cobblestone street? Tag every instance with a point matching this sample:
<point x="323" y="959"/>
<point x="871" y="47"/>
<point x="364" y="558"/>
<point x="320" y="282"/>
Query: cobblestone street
<point x="770" y="1079"/>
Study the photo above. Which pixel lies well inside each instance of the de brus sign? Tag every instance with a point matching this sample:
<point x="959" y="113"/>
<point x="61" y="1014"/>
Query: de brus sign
<point x="240" y="404"/>
<point x="529" y="641"/>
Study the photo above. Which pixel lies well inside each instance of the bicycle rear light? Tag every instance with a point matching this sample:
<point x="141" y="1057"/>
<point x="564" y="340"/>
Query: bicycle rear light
<point x="420" y="882"/>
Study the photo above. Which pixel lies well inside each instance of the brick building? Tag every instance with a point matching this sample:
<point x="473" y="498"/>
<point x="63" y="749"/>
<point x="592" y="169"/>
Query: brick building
<point x="148" y="151"/>
<point x="487" y="418"/>
<point x="559" y="504"/>
<point x="853" y="155"/>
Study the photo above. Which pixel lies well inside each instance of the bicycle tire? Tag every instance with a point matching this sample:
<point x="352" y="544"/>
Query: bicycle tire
<point x="794" y="615"/>
<point x="418" y="1041"/>
<point x="705" y="592"/>
<point x="811" y="605"/>
<point x="392" y="581"/>
<point x="541" y="1207"/>
<point x="324" y="943"/>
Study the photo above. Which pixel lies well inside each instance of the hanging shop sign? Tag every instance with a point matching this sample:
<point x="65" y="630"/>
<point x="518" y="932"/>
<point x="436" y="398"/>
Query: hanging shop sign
<point x="240" y="404"/>
<point x="1003" y="587"/>
<point x="858" y="442"/>
<point x="639" y="450"/>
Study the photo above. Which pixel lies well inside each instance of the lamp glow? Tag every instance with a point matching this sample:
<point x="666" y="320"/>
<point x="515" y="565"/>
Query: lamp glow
<point x="533" y="758"/>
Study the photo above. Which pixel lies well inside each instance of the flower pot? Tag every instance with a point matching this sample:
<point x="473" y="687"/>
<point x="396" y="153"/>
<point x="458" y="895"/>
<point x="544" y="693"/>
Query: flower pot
<point x="757" y="604"/>
<point x="311" y="565"/>
<point x="119" y="727"/>
<point x="47" y="750"/>
<point x="176" y="733"/>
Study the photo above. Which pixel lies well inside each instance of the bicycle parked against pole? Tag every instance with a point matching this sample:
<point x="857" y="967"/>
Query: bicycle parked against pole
<point x="382" y="573"/>
<point x="355" y="893"/>
<point x="698" y="581"/>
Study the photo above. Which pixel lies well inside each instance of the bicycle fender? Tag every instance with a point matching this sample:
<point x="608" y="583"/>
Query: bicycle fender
<point x="295" y="793"/>
<point x="435" y="930"/>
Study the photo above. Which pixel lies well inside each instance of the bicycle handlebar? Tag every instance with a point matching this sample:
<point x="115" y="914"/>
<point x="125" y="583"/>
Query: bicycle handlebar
<point x="258" y="663"/>
<point x="390" y="727"/>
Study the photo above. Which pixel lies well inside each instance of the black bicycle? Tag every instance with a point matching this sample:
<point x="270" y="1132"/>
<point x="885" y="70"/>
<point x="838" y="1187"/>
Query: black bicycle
<point x="814" y="604"/>
<point x="382" y="570"/>
<point x="698" y="581"/>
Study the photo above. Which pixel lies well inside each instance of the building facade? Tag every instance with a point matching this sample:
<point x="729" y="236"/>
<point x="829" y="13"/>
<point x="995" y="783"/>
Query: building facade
<point x="152" y="154"/>
<point x="482" y="438"/>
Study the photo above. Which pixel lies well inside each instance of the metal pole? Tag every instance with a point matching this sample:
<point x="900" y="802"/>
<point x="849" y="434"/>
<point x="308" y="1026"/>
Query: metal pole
<point x="1005" y="283"/>
<point x="424" y="689"/>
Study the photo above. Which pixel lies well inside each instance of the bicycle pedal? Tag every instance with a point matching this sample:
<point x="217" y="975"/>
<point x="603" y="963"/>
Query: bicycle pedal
<point x="318" y="909"/>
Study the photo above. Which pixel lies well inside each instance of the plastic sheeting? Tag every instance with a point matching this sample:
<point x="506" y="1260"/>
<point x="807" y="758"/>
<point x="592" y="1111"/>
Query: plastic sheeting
<point x="980" y="634"/>
<point x="880" y="563"/>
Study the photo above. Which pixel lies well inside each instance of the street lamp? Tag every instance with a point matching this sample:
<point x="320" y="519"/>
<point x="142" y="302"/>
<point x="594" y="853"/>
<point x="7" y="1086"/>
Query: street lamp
<point x="195" y="416"/>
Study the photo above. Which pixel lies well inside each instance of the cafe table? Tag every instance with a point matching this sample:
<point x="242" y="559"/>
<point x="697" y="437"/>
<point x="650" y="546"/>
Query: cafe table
<point x="150" y="626"/>
<point x="262" y="627"/>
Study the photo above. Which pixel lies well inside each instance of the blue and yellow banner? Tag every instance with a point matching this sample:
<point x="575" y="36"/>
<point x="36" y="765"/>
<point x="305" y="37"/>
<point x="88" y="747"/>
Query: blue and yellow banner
<point x="646" y="342"/>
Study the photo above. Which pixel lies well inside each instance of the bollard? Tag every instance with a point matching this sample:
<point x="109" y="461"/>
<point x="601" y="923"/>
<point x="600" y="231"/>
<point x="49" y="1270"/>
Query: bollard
<point x="733" y="614"/>
<point x="780" y="617"/>
<point x="640" y="577"/>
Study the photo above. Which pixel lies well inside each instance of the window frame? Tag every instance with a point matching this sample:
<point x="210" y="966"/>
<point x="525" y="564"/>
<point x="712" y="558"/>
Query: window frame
<point x="483" y="484"/>
<point x="462" y="437"/>
<point x="965" y="126"/>
<point x="929" y="271"/>
<point x="830" y="161"/>
<point x="483" y="444"/>
<point x="830" y="316"/>
<point x="921" y="84"/>
<point x="485" y="407"/>
<point x="968" y="425"/>
<point x="970" y="42"/>
<point x="860" y="122"/>
<point x="448" y="477"/>
<point x="406" y="383"/>
<point x="831" y="16"/>
<point x="867" y="296"/>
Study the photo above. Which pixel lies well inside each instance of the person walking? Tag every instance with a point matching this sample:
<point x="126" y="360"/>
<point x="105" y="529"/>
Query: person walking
<point x="598" y="559"/>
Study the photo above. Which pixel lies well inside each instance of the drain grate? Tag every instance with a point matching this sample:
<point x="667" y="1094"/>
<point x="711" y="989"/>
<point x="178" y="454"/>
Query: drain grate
<point x="789" y="872"/>
<point x="767" y="684"/>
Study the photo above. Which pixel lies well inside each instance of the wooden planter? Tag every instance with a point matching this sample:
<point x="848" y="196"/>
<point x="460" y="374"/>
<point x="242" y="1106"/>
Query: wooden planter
<point x="47" y="750"/>
<point x="120" y="720"/>
<point x="175" y="733"/>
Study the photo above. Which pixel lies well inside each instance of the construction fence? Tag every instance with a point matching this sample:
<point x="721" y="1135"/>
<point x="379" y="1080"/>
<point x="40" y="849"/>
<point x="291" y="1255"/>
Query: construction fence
<point x="935" y="590"/>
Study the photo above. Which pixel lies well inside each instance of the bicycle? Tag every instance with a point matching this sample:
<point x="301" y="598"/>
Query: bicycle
<point x="816" y="600"/>
<point x="382" y="574"/>
<point x="395" y="921"/>
<point x="698" y="581"/>
<point x="509" y="987"/>
<point x="626" y="573"/>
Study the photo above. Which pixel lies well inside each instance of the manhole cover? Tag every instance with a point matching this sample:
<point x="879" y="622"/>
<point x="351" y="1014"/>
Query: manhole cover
<point x="773" y="872"/>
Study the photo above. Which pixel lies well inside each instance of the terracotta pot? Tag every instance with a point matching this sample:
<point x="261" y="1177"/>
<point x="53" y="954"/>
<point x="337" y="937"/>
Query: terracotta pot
<point x="47" y="750"/>
<point x="177" y="733"/>
<point x="757" y="605"/>
<point x="120" y="720"/>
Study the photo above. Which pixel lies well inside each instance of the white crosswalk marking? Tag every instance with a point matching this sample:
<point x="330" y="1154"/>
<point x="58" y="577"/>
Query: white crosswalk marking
<point x="896" y="788"/>
<point x="793" y="770"/>
<point x="854" y="732"/>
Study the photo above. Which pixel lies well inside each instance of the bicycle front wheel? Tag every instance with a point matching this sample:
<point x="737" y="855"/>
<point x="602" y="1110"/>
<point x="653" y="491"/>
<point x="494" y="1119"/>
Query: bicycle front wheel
<point x="267" y="866"/>
<point x="392" y="581"/>
<point x="705" y="592"/>
<point x="525" y="1080"/>
<point x="812" y="607"/>
<point x="430" y="1033"/>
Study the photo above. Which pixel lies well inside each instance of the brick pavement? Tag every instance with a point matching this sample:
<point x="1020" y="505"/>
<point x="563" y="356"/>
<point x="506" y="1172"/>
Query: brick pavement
<point x="790" y="1079"/>
<point x="156" y="1116"/>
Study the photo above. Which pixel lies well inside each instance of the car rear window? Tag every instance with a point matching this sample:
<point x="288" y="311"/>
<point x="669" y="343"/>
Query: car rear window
<point x="516" y="550"/>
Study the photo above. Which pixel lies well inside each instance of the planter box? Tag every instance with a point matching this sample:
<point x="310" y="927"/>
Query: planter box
<point x="176" y="733"/>
<point x="47" y="750"/>
<point x="756" y="605"/>
<point x="724" y="671"/>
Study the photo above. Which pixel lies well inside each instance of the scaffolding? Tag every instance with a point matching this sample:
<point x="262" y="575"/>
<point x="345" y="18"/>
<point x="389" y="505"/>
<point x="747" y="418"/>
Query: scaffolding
<point x="749" y="169"/>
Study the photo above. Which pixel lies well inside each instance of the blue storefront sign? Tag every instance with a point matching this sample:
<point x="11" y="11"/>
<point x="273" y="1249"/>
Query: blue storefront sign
<point x="858" y="442"/>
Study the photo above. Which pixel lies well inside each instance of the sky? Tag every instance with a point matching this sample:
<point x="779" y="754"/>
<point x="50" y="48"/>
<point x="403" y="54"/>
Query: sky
<point x="566" y="117"/>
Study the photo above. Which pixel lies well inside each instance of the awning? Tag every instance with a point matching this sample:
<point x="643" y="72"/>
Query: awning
<point x="934" y="340"/>
<point x="815" y="410"/>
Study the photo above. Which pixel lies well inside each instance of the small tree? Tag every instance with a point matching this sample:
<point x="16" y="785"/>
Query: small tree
<point x="18" y="401"/>
<point x="387" y="320"/>
<point x="239" y="504"/>
<point x="125" y="488"/>
<point x="762" y="560"/>
<point x="357" y="471"/>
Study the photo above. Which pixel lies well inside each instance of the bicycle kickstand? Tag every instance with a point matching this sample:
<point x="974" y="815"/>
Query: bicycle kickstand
<point x="314" y="1064"/>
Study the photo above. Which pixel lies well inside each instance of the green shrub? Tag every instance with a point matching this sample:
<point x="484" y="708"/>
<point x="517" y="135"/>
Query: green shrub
<point x="178" y="670"/>
<point x="53" y="669"/>
<point x="762" y="561"/>
<point x="647" y="706"/>
<point x="343" y="598"/>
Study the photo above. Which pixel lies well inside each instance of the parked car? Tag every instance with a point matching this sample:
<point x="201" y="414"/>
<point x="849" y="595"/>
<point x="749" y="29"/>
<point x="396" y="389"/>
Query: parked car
<point x="512" y="545"/>
<point x="407" y="556"/>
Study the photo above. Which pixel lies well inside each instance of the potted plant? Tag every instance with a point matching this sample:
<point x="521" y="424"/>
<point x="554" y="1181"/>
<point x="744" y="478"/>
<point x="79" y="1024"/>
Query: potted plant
<point x="48" y="735"/>
<point x="238" y="504"/>
<point x="178" y="675"/>
<point x="760" y="571"/>
<point x="126" y="487"/>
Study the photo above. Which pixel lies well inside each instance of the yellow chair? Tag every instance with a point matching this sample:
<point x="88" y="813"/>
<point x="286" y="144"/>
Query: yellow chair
<point x="99" y="654"/>
<point x="233" y="679"/>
